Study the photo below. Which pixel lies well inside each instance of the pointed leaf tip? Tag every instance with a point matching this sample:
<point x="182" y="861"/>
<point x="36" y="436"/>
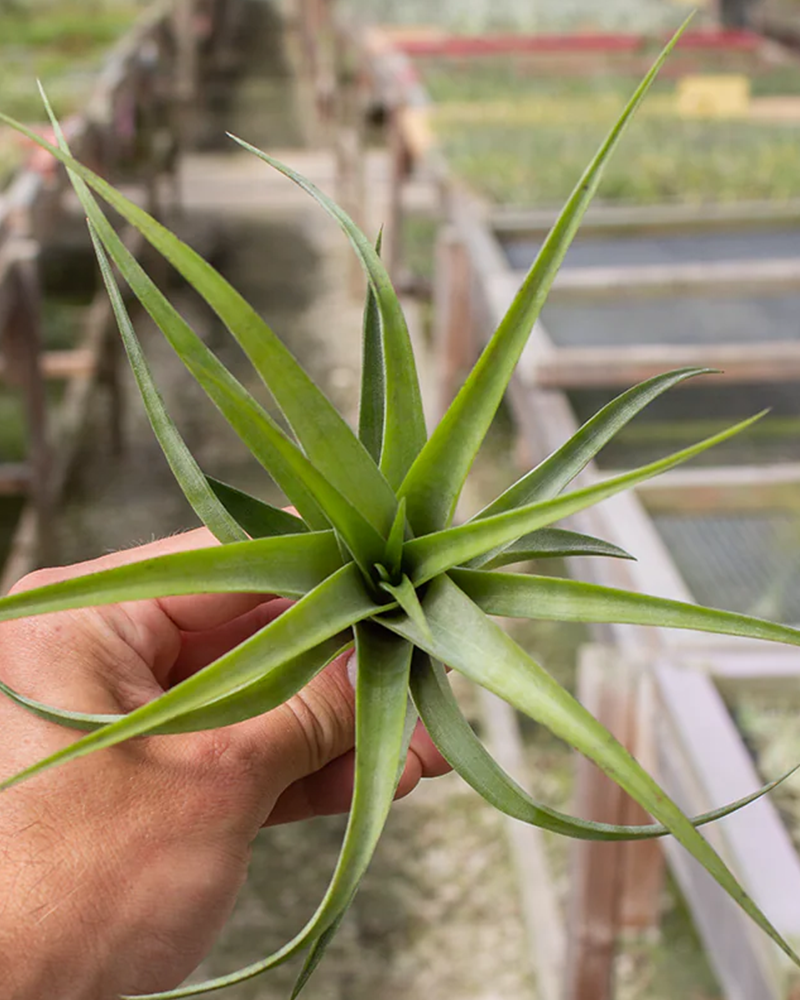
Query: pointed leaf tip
<point x="404" y="431"/>
<point x="437" y="476"/>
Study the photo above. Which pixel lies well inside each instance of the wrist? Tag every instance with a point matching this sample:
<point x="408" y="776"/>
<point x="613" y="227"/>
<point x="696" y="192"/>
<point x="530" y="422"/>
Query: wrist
<point x="47" y="942"/>
<point x="37" y="962"/>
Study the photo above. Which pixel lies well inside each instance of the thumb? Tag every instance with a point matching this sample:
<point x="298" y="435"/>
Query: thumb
<point x="317" y="725"/>
<point x="301" y="751"/>
<point x="318" y="760"/>
<point x="310" y="761"/>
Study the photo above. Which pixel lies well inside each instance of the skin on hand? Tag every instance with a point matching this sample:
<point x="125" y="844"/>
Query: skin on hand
<point x="118" y="870"/>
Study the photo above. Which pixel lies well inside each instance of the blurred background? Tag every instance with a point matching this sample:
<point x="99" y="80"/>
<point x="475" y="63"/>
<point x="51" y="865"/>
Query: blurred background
<point x="462" y="127"/>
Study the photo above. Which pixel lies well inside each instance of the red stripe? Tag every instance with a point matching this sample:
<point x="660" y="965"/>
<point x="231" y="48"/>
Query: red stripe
<point x="456" y="45"/>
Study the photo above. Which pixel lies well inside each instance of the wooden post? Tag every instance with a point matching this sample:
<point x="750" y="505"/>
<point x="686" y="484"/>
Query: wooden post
<point x="397" y="166"/>
<point x="350" y="188"/>
<point x="23" y="349"/>
<point x="609" y="882"/>
<point x="186" y="49"/>
<point x="643" y="863"/>
<point x="454" y="345"/>
<point x="185" y="77"/>
<point x="596" y="868"/>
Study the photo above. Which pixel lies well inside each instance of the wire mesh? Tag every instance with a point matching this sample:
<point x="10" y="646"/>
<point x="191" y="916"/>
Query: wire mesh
<point x="746" y="561"/>
<point x="682" y="319"/>
<point x="702" y="408"/>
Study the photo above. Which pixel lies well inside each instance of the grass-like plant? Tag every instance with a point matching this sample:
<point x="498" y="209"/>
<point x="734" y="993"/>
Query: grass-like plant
<point x="373" y="557"/>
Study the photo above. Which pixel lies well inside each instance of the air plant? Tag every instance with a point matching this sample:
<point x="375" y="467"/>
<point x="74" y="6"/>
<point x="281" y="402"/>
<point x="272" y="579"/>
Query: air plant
<point x="373" y="557"/>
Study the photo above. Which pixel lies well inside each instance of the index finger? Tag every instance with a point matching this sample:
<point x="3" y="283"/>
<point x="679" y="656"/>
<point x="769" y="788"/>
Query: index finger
<point x="189" y="613"/>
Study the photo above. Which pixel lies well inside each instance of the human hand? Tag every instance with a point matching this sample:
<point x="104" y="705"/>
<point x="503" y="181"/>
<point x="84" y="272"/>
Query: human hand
<point x="118" y="870"/>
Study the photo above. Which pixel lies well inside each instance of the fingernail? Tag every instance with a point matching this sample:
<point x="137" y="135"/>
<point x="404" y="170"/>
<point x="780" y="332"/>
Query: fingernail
<point x="352" y="670"/>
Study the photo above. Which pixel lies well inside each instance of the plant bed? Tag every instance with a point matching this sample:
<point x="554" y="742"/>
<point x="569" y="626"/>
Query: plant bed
<point x="669" y="161"/>
<point x="519" y="76"/>
<point x="519" y="128"/>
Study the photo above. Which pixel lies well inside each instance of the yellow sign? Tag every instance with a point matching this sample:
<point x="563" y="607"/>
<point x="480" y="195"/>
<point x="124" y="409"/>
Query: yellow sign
<point x="719" y="96"/>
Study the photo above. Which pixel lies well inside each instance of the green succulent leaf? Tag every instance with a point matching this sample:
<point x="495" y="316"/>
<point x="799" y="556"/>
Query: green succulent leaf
<point x="321" y="944"/>
<point x="381" y="733"/>
<point x="394" y="544"/>
<point x="558" y="470"/>
<point x="404" y="433"/>
<point x="325" y="437"/>
<point x="336" y="604"/>
<point x="250" y="421"/>
<point x="434" y="482"/>
<point x="433" y="554"/>
<point x="468" y="641"/>
<point x="543" y="597"/>
<point x="185" y="469"/>
<point x="259" y="519"/>
<point x="319" y="502"/>
<point x="254" y="699"/>
<point x="289" y="566"/>
<point x="303" y="483"/>
<point x="555" y="543"/>
<point x="372" y="411"/>
<point x="470" y="759"/>
<point x="316" y="954"/>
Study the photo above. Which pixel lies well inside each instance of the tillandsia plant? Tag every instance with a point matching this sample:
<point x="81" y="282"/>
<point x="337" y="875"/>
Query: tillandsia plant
<point x="373" y="557"/>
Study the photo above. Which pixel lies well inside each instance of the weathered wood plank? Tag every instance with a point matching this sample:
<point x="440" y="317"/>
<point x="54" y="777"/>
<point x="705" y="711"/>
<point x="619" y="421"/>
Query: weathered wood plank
<point x="654" y="220"/>
<point x="454" y="346"/>
<point x="592" y="367"/>
<point x="768" y="672"/>
<point x="737" y="277"/>
<point x="62" y="365"/>
<point x="743" y="487"/>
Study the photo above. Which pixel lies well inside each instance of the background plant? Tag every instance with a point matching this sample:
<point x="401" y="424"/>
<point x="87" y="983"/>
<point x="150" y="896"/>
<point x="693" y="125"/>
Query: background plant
<point x="374" y="558"/>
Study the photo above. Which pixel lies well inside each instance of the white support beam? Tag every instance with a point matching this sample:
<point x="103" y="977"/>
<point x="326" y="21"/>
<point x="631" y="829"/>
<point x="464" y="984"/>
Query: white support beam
<point x="703" y="764"/>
